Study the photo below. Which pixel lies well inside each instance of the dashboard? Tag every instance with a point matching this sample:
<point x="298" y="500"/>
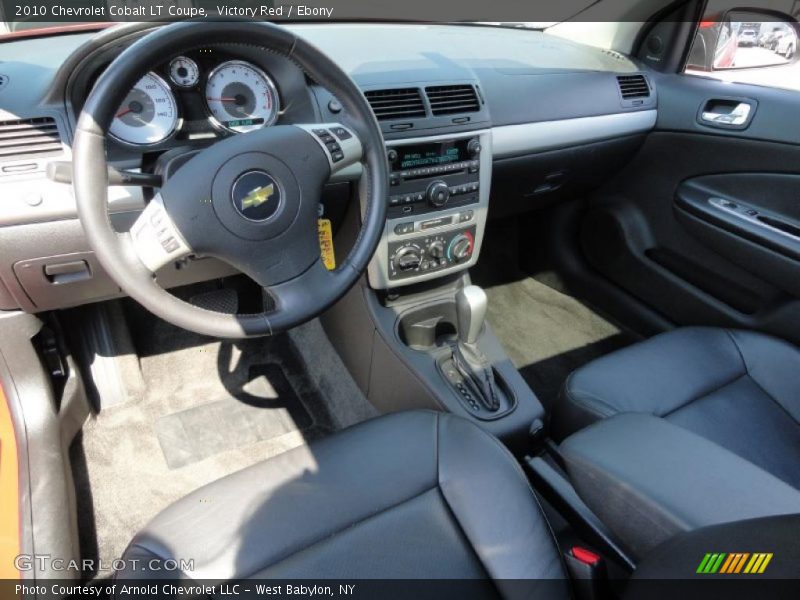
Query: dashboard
<point x="528" y="96"/>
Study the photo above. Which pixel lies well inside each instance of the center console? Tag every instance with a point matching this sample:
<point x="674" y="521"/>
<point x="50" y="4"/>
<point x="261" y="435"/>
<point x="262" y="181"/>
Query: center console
<point x="437" y="206"/>
<point x="415" y="336"/>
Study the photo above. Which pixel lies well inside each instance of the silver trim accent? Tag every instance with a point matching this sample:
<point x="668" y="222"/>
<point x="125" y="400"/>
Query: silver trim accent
<point x="378" y="270"/>
<point x="720" y="203"/>
<point x="351" y="147"/>
<point x="471" y="304"/>
<point x="527" y="138"/>
<point x="270" y="84"/>
<point x="156" y="239"/>
<point x="738" y="116"/>
<point x="176" y="126"/>
<point x="184" y="86"/>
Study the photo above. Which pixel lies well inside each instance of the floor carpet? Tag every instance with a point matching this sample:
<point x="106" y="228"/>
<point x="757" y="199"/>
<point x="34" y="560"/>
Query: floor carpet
<point x="209" y="408"/>
<point x="548" y="334"/>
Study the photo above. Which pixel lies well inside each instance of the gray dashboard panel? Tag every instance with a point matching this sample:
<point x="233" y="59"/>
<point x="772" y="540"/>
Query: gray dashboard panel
<point x="541" y="91"/>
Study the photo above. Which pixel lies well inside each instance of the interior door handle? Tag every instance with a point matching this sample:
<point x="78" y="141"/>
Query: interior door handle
<point x="727" y="113"/>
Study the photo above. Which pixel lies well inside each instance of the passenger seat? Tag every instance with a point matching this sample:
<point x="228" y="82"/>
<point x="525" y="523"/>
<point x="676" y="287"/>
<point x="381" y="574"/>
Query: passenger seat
<point x="690" y="428"/>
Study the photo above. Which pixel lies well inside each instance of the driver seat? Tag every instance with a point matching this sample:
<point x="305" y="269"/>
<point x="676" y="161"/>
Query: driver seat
<point x="419" y="495"/>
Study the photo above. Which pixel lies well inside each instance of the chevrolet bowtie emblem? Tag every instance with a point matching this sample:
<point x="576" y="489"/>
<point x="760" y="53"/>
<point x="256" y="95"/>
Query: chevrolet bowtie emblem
<point x="258" y="196"/>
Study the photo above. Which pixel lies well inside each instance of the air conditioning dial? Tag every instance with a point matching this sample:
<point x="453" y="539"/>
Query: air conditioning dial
<point x="460" y="247"/>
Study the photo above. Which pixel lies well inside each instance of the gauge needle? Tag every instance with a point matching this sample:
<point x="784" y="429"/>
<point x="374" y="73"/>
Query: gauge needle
<point x="123" y="112"/>
<point x="222" y="99"/>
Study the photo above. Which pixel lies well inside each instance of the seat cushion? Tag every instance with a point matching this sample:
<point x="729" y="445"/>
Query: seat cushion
<point x="738" y="389"/>
<point x="648" y="479"/>
<point x="411" y="495"/>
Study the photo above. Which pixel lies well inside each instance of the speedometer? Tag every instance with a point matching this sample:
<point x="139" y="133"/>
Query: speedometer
<point x="241" y="97"/>
<point x="149" y="113"/>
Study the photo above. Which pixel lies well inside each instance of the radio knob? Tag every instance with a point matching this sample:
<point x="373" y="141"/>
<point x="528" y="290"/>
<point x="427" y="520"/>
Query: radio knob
<point x="391" y="155"/>
<point x="407" y="258"/>
<point x="474" y="147"/>
<point x="438" y="193"/>
<point x="461" y="247"/>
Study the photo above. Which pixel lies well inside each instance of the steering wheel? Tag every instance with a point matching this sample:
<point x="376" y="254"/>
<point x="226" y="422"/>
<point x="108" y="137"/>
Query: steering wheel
<point x="250" y="200"/>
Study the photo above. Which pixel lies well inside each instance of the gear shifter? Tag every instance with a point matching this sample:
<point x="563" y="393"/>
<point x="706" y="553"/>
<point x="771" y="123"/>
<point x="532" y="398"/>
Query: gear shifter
<point x="469" y="360"/>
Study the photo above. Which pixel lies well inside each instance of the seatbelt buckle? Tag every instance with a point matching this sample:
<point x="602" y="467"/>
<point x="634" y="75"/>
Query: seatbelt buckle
<point x="588" y="573"/>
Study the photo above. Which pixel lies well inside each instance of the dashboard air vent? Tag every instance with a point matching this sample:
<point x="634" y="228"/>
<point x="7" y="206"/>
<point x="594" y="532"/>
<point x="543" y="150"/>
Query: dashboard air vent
<point x="399" y="103"/>
<point x="452" y="99"/>
<point x="633" y="86"/>
<point x="26" y="138"/>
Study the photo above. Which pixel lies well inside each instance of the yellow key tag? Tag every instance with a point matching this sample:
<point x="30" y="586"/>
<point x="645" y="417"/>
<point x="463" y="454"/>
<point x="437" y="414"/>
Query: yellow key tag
<point x="325" y="232"/>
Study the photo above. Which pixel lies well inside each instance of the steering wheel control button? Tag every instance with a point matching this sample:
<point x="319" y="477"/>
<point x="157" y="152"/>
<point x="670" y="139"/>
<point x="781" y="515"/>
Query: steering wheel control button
<point x="155" y="238"/>
<point x="342" y="149"/>
<point x="256" y="195"/>
<point x="341" y="133"/>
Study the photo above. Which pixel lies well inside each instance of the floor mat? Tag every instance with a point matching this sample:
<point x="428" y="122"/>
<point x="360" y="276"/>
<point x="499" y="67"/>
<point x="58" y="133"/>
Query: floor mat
<point x="548" y="334"/>
<point x="267" y="408"/>
<point x="209" y="408"/>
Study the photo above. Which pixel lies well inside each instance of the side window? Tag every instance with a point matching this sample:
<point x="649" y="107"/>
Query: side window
<point x="747" y="47"/>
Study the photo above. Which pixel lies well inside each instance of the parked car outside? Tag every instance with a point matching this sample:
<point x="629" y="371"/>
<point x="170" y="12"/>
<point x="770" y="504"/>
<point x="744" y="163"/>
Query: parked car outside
<point x="786" y="45"/>
<point x="748" y="38"/>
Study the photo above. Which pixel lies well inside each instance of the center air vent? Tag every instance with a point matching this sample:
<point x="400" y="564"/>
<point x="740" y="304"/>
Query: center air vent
<point x="633" y="86"/>
<point x="399" y="103"/>
<point x="452" y="99"/>
<point x="29" y="138"/>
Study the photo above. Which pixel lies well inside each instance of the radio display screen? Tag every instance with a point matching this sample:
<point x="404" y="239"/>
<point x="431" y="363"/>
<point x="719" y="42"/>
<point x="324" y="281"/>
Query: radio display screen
<point x="432" y="154"/>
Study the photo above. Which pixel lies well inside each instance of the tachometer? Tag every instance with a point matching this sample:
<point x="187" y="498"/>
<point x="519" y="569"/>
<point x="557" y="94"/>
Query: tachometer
<point x="241" y="97"/>
<point x="148" y="115"/>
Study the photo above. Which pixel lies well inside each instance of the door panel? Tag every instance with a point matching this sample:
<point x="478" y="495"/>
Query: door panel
<point x="654" y="231"/>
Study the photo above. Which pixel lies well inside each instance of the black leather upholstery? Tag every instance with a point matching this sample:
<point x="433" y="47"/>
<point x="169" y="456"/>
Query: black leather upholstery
<point x="410" y="495"/>
<point x="714" y="435"/>
<point x="738" y="389"/>
<point x="648" y="480"/>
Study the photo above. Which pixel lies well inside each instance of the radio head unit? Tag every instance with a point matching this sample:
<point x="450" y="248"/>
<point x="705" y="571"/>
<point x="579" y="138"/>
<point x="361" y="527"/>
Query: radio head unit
<point x="431" y="175"/>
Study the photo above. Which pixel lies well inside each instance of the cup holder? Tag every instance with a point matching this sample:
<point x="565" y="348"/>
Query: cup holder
<point x="428" y="327"/>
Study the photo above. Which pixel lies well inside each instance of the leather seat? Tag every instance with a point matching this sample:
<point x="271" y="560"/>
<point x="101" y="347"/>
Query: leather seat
<point x="417" y="495"/>
<point x="738" y="389"/>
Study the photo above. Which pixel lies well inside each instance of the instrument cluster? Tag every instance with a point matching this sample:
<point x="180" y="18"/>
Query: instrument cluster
<point x="198" y="94"/>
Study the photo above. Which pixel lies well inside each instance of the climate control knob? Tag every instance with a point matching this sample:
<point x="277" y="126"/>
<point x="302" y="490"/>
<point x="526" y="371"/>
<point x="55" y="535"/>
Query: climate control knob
<point x="460" y="247"/>
<point x="436" y="250"/>
<point x="407" y="258"/>
<point x="438" y="193"/>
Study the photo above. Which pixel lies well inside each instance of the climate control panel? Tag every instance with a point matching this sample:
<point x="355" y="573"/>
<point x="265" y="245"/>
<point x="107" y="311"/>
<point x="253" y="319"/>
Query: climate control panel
<point x="435" y="252"/>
